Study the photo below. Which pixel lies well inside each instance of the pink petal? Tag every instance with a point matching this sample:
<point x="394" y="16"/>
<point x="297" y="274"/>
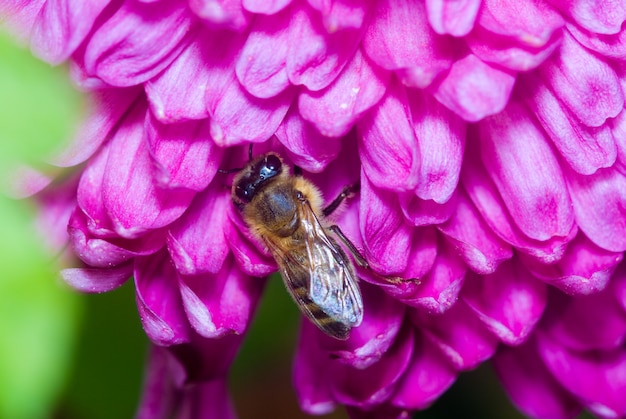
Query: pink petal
<point x="530" y="385"/>
<point x="458" y="334"/>
<point x="421" y="212"/>
<point x="452" y="17"/>
<point x="304" y="144"/>
<point x="595" y="16"/>
<point x="192" y="249"/>
<point x="388" y="149"/>
<point x="97" y="280"/>
<point x="599" y="201"/>
<point x="584" y="269"/>
<point x="24" y="182"/>
<point x="596" y="378"/>
<point x="473" y="89"/>
<point x="526" y="173"/>
<point x="265" y="7"/>
<point x="158" y="300"/>
<point x="427" y="376"/>
<point x="129" y="168"/>
<point x="441" y="137"/>
<point x="56" y="205"/>
<point x="335" y="109"/>
<point x="481" y="249"/>
<point x="209" y="399"/>
<point x="158" y="388"/>
<point x="221" y="14"/>
<point x="178" y="93"/>
<point x="612" y="46"/>
<point x="399" y="37"/>
<point x="129" y="48"/>
<point x="585" y="84"/>
<point x="261" y="66"/>
<point x="316" y="57"/>
<point x="19" y="16"/>
<point x="618" y="128"/>
<point x="105" y="109"/>
<point x="184" y="154"/>
<point x="385" y="232"/>
<point x="222" y="303"/>
<point x="585" y="148"/>
<point x="509" y="301"/>
<point x="341" y="14"/>
<point x="62" y="26"/>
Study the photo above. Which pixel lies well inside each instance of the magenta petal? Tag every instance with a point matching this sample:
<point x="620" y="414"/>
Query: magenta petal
<point x="459" y="334"/>
<point x="159" y="302"/>
<point x="421" y="212"/>
<point x="97" y="280"/>
<point x="441" y="137"/>
<point x="527" y="173"/>
<point x="24" y="182"/>
<point x="473" y="89"/>
<point x="265" y="7"/>
<point x="509" y="301"/>
<point x="388" y="148"/>
<point x="600" y="17"/>
<point x="599" y="201"/>
<point x="452" y="17"/>
<point x="184" y="154"/>
<point x="306" y="147"/>
<point x="585" y="148"/>
<point x="104" y="111"/>
<point x="427" y="376"/>
<point x="206" y="399"/>
<point x="385" y="232"/>
<point x="335" y="109"/>
<point x="62" y="26"/>
<point x="19" y="16"/>
<point x="371" y="386"/>
<point x="261" y="66"/>
<point x="399" y="37"/>
<point x="159" y="390"/>
<point x="530" y="385"/>
<point x="597" y="378"/>
<point x="129" y="168"/>
<point x="381" y="324"/>
<point x="222" y="303"/>
<point x="585" y="84"/>
<point x="613" y="46"/>
<point x="479" y="247"/>
<point x="129" y="48"/>
<point x="440" y="288"/>
<point x="341" y="14"/>
<point x="584" y="269"/>
<point x="221" y="14"/>
<point x="197" y="241"/>
<point x="316" y="57"/>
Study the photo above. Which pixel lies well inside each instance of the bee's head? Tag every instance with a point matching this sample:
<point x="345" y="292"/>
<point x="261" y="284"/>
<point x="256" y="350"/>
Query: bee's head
<point x="255" y="176"/>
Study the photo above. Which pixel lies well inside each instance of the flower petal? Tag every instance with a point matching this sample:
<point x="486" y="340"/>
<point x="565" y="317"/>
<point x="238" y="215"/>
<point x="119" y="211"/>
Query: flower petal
<point x="509" y="301"/>
<point x="335" y="109"/>
<point x="221" y="14"/>
<point x="455" y="18"/>
<point x="479" y="247"/>
<point x="612" y="46"/>
<point x="129" y="47"/>
<point x="421" y="212"/>
<point x="473" y="89"/>
<point x="593" y="15"/>
<point x="157" y="399"/>
<point x="530" y="385"/>
<point x="341" y="14"/>
<point x="399" y="37"/>
<point x="207" y="399"/>
<point x="526" y="173"/>
<point x="19" y="16"/>
<point x="158" y="300"/>
<point x="97" y="280"/>
<point x="265" y="7"/>
<point x="387" y="146"/>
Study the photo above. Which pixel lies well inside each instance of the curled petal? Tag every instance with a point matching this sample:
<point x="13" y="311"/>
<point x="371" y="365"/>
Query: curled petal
<point x="585" y="84"/>
<point x="184" y="154"/>
<point x="509" y="301"/>
<point x="97" y="280"/>
<point x="422" y="212"/>
<point x="452" y="17"/>
<point x="335" y="109"/>
<point x="526" y="173"/>
<point x="427" y="376"/>
<point x="473" y="89"/>
<point x="221" y="14"/>
<point x="207" y="399"/>
<point x="388" y="148"/>
<point x="531" y="386"/>
<point x="613" y="46"/>
<point x="595" y="16"/>
<point x="479" y="247"/>
<point x="19" y="16"/>
<point x="441" y="137"/>
<point x="129" y="47"/>
<point x="599" y="201"/>
<point x="584" y="269"/>
<point x="222" y="303"/>
<point x="252" y="258"/>
<point x="265" y="7"/>
<point x="341" y="14"/>
<point x="158" y="300"/>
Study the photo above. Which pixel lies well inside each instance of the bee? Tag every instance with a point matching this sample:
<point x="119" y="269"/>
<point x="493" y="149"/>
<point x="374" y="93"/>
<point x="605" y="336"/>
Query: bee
<point x="284" y="210"/>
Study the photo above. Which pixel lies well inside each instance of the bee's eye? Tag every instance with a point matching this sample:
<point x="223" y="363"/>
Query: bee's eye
<point x="272" y="163"/>
<point x="244" y="191"/>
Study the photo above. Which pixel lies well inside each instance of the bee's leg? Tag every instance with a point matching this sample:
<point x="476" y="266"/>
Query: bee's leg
<point x="359" y="258"/>
<point x="346" y="192"/>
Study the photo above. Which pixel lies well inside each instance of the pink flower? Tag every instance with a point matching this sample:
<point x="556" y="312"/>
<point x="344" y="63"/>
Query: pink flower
<point x="488" y="139"/>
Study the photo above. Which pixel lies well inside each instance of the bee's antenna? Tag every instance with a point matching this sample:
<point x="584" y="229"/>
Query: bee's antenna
<point x="250" y="152"/>
<point x="227" y="171"/>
